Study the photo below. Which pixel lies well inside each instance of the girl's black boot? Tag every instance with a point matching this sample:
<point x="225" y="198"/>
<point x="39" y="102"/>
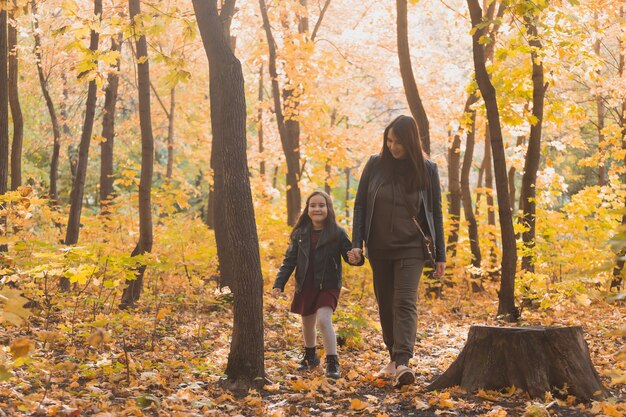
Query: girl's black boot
<point x="310" y="359"/>
<point x="332" y="367"/>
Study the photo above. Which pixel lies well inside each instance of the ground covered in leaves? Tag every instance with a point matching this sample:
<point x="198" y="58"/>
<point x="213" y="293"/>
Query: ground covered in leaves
<point x="75" y="356"/>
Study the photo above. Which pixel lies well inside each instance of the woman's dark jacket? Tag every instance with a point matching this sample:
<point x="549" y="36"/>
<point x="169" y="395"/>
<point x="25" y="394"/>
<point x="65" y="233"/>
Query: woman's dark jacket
<point x="327" y="267"/>
<point x="371" y="180"/>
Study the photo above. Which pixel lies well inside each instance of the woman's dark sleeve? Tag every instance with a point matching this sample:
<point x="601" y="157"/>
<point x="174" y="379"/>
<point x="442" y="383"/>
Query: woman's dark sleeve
<point x="346" y="246"/>
<point x="360" y="206"/>
<point x="288" y="265"/>
<point x="440" y="246"/>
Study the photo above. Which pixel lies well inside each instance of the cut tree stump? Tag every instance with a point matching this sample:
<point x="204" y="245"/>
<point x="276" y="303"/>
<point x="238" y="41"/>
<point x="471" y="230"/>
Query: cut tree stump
<point x="536" y="359"/>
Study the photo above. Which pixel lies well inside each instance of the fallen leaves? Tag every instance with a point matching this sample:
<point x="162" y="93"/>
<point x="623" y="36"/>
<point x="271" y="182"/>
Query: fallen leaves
<point x="21" y="347"/>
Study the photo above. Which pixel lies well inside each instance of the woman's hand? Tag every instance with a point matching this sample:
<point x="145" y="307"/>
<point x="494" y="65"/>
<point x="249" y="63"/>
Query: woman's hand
<point x="354" y="255"/>
<point x="439" y="270"/>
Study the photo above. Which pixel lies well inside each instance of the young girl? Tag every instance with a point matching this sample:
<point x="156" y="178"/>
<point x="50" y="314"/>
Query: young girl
<point x="317" y="245"/>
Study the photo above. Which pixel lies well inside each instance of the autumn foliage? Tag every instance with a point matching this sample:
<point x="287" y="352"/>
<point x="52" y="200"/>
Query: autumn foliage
<point x="76" y="353"/>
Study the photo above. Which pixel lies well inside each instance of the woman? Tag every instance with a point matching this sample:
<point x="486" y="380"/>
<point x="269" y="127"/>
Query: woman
<point x="398" y="188"/>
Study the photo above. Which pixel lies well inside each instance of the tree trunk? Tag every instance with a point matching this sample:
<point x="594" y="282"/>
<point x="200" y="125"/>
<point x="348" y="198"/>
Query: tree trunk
<point x="535" y="359"/>
<point x="467" y="203"/>
<point x="170" y="135"/>
<point x="234" y="206"/>
<point x="134" y="287"/>
<point x="454" y="196"/>
<point x="512" y="172"/>
<point x="289" y="127"/>
<point x="506" y="307"/>
<point x="16" y="110"/>
<point x="56" y="131"/>
<point x="78" y="185"/>
<point x="408" y="79"/>
<point x="108" y="130"/>
<point x="226" y="15"/>
<point x="260" y="123"/>
<point x="533" y="154"/>
<point x="4" y="116"/>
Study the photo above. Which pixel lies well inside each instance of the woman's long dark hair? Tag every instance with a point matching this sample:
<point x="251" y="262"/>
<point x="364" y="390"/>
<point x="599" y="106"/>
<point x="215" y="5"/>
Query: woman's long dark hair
<point x="331" y="219"/>
<point x="406" y="131"/>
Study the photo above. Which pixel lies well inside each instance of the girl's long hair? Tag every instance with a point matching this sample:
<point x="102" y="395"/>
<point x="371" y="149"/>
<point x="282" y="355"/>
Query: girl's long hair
<point x="406" y="131"/>
<point x="331" y="220"/>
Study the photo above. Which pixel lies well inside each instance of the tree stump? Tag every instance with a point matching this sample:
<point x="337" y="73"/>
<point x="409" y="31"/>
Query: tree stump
<point x="535" y="359"/>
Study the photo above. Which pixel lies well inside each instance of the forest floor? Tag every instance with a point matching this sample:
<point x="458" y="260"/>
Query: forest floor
<point x="167" y="358"/>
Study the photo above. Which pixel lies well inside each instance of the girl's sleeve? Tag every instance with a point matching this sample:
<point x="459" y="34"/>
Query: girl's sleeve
<point x="288" y="265"/>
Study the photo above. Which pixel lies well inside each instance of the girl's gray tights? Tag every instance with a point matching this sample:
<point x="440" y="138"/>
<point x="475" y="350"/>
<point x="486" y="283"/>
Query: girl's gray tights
<point x="324" y="319"/>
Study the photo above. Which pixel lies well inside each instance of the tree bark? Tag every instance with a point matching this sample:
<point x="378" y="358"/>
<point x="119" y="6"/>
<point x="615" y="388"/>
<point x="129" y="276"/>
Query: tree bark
<point x="535" y="359"/>
<point x="234" y="205"/>
<point x="408" y="79"/>
<point x="134" y="287"/>
<point x="4" y="116"/>
<point x="533" y="154"/>
<point x="78" y="185"/>
<point x="108" y="130"/>
<point x="16" y="109"/>
<point x="506" y="306"/>
<point x="226" y="14"/>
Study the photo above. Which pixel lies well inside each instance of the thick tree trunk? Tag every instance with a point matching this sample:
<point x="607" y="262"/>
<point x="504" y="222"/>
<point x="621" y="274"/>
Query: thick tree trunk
<point x="506" y="306"/>
<point x="16" y="109"/>
<point x="454" y="196"/>
<point x="78" y="185"/>
<point x="408" y="79"/>
<point x="228" y="121"/>
<point x="4" y="115"/>
<point x="134" y="287"/>
<point x="533" y="154"/>
<point x="226" y="16"/>
<point x="535" y="359"/>
<point x="170" y="135"/>
<point x="56" y="131"/>
<point x="108" y="130"/>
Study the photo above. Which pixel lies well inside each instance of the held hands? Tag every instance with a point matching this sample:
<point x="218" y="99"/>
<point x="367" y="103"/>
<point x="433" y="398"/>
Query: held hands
<point x="439" y="270"/>
<point x="277" y="292"/>
<point x="355" y="255"/>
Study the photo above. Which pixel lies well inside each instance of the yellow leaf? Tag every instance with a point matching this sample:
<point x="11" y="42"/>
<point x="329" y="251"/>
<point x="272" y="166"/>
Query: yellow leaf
<point x="20" y="347"/>
<point x="358" y="405"/>
<point x="299" y="385"/>
<point x="352" y="375"/>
